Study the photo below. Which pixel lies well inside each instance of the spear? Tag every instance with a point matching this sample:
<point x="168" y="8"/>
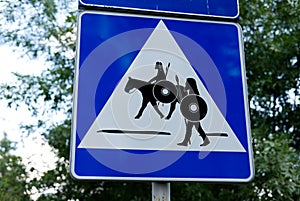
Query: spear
<point x="180" y="95"/>
<point x="167" y="69"/>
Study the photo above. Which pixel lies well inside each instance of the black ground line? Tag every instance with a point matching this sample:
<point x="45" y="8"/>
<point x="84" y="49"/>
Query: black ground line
<point x="118" y="131"/>
<point x="217" y="134"/>
<point x="115" y="131"/>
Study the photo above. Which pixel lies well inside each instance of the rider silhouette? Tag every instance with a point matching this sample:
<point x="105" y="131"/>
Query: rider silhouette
<point x="161" y="74"/>
<point x="191" y="87"/>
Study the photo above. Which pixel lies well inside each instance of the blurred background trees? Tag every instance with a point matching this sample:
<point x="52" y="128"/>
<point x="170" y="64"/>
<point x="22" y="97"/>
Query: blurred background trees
<point x="47" y="28"/>
<point x="13" y="184"/>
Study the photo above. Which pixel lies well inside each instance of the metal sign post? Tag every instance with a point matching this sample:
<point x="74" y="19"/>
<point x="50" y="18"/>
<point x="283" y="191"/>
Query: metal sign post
<point x="161" y="191"/>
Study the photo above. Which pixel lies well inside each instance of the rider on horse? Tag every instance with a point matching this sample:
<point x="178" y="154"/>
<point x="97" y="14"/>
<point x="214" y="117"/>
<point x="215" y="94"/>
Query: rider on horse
<point x="161" y="74"/>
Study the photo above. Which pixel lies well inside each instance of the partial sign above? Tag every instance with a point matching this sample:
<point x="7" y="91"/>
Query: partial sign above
<point x="210" y="8"/>
<point x="155" y="101"/>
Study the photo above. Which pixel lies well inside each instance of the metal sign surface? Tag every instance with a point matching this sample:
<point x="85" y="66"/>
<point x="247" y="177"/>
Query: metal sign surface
<point x="210" y="8"/>
<point x="155" y="101"/>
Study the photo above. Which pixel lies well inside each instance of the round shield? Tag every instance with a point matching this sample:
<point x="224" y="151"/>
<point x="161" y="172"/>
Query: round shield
<point x="193" y="107"/>
<point x="165" y="91"/>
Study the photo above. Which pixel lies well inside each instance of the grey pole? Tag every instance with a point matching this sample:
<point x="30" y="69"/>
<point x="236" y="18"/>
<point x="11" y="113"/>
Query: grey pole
<point x="161" y="191"/>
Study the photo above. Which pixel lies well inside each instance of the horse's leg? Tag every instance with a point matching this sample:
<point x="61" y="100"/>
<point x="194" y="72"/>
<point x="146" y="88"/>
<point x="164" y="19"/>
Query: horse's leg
<point x="144" y="105"/>
<point x="155" y="106"/>
<point x="172" y="108"/>
<point x="158" y="111"/>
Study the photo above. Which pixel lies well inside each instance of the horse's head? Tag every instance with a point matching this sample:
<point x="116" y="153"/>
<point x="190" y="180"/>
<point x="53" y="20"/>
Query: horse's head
<point x="133" y="83"/>
<point x="129" y="85"/>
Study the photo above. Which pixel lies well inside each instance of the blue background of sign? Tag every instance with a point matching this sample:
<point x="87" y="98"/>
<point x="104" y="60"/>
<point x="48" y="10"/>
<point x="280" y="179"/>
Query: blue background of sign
<point x="220" y="40"/>
<point x="220" y="8"/>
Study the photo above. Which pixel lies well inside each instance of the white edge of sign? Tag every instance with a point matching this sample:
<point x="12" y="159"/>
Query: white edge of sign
<point x="74" y="98"/>
<point x="164" y="11"/>
<point x="136" y="178"/>
<point x="246" y="104"/>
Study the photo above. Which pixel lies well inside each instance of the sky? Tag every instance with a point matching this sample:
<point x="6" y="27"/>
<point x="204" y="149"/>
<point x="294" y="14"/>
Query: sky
<point x="32" y="148"/>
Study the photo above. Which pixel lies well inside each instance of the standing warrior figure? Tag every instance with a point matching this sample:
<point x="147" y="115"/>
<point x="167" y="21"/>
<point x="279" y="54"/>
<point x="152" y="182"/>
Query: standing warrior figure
<point x="191" y="87"/>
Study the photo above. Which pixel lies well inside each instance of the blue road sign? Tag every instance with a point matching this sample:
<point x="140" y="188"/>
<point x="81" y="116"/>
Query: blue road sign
<point x="159" y="98"/>
<point x="211" y="8"/>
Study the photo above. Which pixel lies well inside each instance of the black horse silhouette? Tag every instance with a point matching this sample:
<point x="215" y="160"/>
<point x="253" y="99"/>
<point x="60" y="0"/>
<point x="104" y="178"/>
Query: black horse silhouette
<point x="146" y="90"/>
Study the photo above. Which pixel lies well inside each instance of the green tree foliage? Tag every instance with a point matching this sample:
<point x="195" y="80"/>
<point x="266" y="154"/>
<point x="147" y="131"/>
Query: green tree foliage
<point x="46" y="28"/>
<point x="13" y="186"/>
<point x="272" y="32"/>
<point x="43" y="28"/>
<point x="277" y="177"/>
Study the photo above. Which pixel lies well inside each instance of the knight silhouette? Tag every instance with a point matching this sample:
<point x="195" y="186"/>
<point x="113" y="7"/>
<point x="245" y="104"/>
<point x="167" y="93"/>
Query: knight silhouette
<point x="161" y="74"/>
<point x="191" y="88"/>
